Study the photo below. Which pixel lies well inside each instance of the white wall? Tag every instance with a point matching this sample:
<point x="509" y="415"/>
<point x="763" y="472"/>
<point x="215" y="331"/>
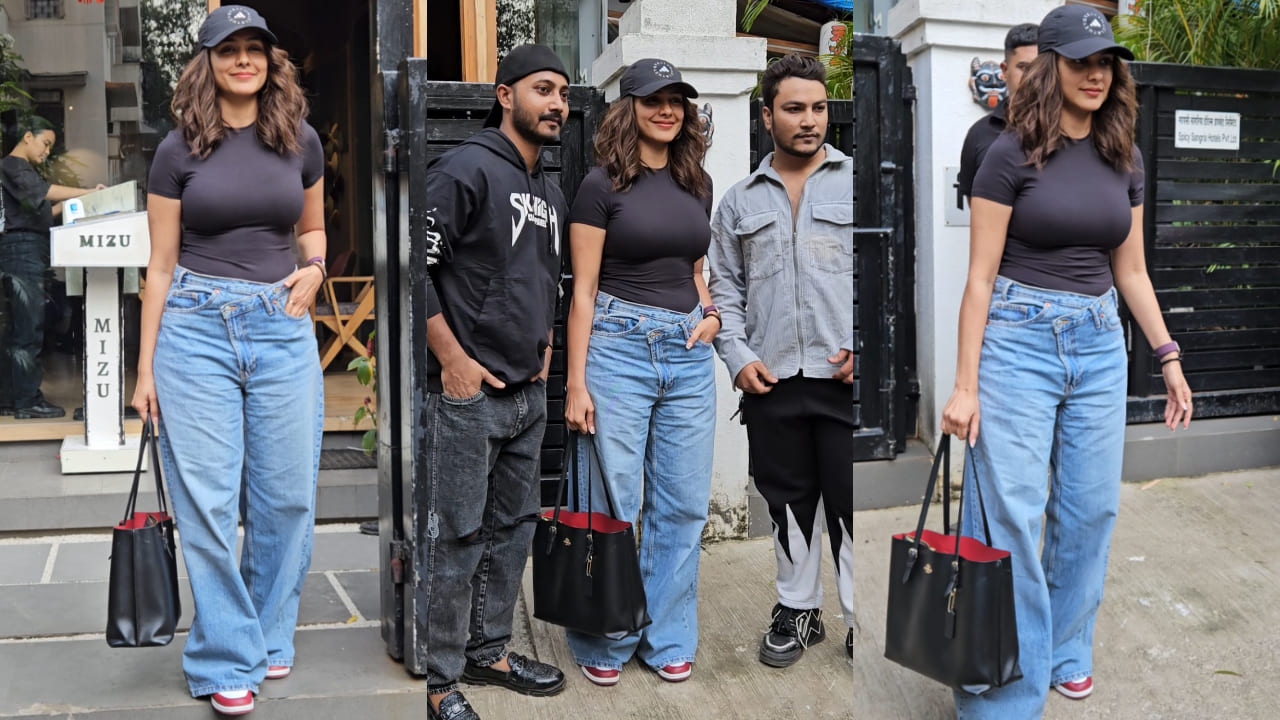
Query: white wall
<point x="940" y="39"/>
<point x="698" y="37"/>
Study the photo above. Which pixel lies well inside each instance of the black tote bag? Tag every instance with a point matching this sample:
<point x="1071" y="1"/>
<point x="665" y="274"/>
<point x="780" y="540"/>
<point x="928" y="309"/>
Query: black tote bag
<point x="951" y="615"/>
<point x="143" y="606"/>
<point x="586" y="574"/>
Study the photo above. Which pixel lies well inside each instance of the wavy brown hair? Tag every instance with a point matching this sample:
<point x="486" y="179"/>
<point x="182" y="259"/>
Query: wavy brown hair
<point x="282" y="106"/>
<point x="1035" y="112"/>
<point x="618" y="148"/>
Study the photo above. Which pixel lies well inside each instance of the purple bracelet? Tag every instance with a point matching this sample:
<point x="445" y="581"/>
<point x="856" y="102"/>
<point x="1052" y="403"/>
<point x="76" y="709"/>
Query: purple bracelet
<point x="708" y="309"/>
<point x="1167" y="348"/>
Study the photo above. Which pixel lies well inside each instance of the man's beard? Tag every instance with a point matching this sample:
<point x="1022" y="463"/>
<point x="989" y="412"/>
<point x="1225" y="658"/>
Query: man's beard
<point x="790" y="148"/>
<point x="527" y="124"/>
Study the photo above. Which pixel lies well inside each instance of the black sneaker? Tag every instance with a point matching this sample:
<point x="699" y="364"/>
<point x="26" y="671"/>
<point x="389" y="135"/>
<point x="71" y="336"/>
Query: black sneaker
<point x="790" y="633"/>
<point x="42" y="409"/>
<point x="452" y="707"/>
<point x="848" y="644"/>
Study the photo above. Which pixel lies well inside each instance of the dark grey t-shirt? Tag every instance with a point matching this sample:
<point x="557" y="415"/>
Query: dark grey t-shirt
<point x="1067" y="216"/>
<point x="654" y="233"/>
<point x="240" y="204"/>
<point x="25" y="205"/>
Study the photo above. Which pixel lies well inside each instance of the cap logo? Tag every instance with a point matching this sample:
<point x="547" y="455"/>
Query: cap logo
<point x="1094" y="23"/>
<point x="663" y="70"/>
<point x="238" y="16"/>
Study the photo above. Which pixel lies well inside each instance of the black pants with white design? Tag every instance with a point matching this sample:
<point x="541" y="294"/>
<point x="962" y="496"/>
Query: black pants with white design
<point x="801" y="445"/>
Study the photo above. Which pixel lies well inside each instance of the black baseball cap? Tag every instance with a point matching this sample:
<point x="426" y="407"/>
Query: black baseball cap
<point x="522" y="61"/>
<point x="231" y="18"/>
<point x="648" y="76"/>
<point x="1078" y="31"/>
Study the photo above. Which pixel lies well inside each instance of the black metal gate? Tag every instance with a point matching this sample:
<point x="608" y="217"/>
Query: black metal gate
<point x="435" y="116"/>
<point x="876" y="128"/>
<point x="1212" y="231"/>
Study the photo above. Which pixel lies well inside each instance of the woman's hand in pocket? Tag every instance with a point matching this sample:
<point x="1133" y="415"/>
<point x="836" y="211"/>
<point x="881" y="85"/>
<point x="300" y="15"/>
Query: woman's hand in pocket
<point x="579" y="410"/>
<point x="705" y="331"/>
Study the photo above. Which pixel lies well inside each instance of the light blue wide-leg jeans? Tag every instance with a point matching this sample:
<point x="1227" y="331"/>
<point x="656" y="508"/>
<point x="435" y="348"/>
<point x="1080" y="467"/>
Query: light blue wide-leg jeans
<point x="1051" y="387"/>
<point x="655" y="420"/>
<point x="241" y="413"/>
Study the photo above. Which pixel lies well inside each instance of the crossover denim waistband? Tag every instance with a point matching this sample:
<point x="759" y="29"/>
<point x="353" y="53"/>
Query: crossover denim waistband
<point x="684" y="322"/>
<point x="270" y="295"/>
<point x="1062" y="304"/>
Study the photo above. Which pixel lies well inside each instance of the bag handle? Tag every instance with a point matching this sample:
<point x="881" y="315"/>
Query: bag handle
<point x="570" y="467"/>
<point x="148" y="439"/>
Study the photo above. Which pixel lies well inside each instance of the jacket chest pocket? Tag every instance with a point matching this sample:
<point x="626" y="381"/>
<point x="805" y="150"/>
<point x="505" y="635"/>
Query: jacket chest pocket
<point x="831" y="238"/>
<point x="759" y="237"/>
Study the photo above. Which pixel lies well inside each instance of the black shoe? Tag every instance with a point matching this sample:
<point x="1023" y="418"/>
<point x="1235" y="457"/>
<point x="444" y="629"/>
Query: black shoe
<point x="6" y="409"/>
<point x="369" y="527"/>
<point x="42" y="409"/>
<point x="790" y="633"/>
<point x="452" y="707"/>
<point x="527" y="677"/>
<point x="848" y="644"/>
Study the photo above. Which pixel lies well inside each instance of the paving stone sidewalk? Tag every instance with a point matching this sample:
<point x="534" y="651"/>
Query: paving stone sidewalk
<point x="1189" y="628"/>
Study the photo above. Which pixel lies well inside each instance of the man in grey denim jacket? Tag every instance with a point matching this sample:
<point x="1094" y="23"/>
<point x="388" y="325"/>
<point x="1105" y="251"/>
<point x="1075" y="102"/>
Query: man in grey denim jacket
<point x="781" y="262"/>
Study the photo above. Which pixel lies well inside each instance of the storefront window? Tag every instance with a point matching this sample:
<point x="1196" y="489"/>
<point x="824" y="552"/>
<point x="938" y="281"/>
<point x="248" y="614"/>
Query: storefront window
<point x="101" y="73"/>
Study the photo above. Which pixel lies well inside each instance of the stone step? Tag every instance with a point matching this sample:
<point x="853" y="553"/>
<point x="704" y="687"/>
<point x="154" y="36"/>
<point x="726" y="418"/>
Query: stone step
<point x="36" y="497"/>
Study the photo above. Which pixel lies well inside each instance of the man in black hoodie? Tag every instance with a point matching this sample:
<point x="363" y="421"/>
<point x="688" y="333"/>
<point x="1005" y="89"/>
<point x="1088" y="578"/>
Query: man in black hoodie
<point x="493" y="263"/>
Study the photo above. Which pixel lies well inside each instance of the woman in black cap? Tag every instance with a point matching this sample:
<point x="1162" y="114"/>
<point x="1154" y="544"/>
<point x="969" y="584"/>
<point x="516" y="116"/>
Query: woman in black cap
<point x="228" y="356"/>
<point x="1056" y="231"/>
<point x="641" y="379"/>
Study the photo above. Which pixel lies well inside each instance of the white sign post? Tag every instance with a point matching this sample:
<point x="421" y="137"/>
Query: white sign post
<point x="1204" y="130"/>
<point x="102" y="246"/>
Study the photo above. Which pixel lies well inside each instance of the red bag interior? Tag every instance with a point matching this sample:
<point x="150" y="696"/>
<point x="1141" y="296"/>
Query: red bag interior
<point x="143" y="519"/>
<point x="970" y="548"/>
<point x="599" y="521"/>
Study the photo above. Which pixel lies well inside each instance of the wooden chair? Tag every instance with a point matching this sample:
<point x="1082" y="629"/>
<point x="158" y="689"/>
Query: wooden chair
<point x="344" y="303"/>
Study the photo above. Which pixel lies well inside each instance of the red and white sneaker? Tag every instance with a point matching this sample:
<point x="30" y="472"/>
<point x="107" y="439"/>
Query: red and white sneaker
<point x="277" y="672"/>
<point x="1076" y="689"/>
<point x="232" y="702"/>
<point x="604" y="677"/>
<point x="678" y="672"/>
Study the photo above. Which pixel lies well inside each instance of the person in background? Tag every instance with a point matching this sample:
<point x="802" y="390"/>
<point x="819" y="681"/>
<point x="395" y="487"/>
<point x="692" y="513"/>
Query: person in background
<point x="493" y="267"/>
<point x="641" y="374"/>
<point x="24" y="268"/>
<point x="1019" y="52"/>
<point x="782" y="275"/>
<point x="1041" y="368"/>
<point x="227" y="358"/>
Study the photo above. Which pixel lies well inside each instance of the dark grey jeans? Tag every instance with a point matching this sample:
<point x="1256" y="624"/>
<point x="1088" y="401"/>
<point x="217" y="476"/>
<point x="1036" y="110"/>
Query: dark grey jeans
<point x="476" y="501"/>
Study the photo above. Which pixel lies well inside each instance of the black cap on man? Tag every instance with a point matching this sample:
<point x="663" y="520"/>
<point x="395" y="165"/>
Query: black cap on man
<point x="521" y="62"/>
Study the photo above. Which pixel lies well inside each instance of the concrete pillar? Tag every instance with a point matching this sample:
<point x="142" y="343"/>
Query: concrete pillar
<point x="699" y="38"/>
<point x="940" y="39"/>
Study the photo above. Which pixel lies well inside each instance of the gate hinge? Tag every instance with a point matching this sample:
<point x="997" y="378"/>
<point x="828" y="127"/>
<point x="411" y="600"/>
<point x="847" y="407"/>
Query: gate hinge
<point x="400" y="558"/>
<point x="390" y="151"/>
<point x="909" y="93"/>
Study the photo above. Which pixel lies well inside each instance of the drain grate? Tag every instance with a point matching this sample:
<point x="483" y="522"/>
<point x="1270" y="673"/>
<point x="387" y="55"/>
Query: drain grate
<point x="346" y="460"/>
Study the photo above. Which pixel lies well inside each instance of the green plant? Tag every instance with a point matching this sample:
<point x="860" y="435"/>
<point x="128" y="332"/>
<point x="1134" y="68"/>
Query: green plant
<point x="12" y="97"/>
<point x="366" y="369"/>
<point x="839" y="64"/>
<point x="1226" y="33"/>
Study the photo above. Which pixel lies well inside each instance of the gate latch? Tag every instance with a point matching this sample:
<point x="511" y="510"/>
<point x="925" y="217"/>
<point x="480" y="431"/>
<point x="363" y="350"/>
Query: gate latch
<point x="400" y="555"/>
